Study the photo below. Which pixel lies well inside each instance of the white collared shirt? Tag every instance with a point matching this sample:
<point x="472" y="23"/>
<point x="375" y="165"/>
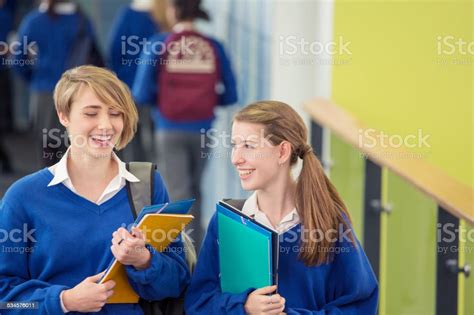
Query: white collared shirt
<point x="61" y="175"/>
<point x="183" y="26"/>
<point x="65" y="8"/>
<point x="251" y="209"/>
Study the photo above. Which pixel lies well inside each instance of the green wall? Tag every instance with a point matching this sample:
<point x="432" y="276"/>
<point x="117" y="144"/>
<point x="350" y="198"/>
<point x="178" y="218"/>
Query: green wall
<point x="402" y="78"/>
<point x="410" y="260"/>
<point x="347" y="175"/>
<point x="399" y="77"/>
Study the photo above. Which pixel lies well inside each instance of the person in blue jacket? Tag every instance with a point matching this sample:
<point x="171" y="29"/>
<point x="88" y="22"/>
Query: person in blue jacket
<point x="66" y="223"/>
<point x="7" y="10"/>
<point x="134" y="24"/>
<point x="322" y="267"/>
<point x="46" y="36"/>
<point x="185" y="74"/>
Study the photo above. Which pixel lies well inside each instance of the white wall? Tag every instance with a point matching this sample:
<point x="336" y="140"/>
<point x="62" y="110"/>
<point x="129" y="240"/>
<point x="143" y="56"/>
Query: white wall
<point x="254" y="33"/>
<point x="243" y="26"/>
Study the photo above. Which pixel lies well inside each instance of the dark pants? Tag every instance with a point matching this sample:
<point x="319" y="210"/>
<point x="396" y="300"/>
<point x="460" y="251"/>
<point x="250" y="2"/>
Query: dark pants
<point x="141" y="146"/>
<point x="181" y="162"/>
<point x="6" y="101"/>
<point x="6" y="117"/>
<point x="50" y="134"/>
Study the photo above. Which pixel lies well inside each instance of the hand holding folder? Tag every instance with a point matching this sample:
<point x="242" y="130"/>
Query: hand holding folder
<point x="160" y="224"/>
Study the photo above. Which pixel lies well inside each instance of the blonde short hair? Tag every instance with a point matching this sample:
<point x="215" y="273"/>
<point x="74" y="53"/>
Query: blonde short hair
<point x="108" y="88"/>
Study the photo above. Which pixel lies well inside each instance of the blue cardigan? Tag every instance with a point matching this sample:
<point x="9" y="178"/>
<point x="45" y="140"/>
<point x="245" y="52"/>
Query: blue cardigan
<point x="63" y="238"/>
<point x="347" y="285"/>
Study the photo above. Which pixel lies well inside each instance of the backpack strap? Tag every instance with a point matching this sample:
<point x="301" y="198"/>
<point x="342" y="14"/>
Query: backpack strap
<point x="140" y="193"/>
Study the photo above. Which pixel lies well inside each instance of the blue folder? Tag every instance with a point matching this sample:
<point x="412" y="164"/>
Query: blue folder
<point x="248" y="251"/>
<point x="178" y="207"/>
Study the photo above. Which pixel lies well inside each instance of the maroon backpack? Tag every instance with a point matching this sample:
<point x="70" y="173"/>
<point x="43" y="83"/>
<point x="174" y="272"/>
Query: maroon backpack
<point x="188" y="75"/>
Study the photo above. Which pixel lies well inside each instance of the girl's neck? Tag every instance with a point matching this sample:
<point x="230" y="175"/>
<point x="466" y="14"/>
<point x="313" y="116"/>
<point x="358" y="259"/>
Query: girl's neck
<point x="277" y="200"/>
<point x="183" y="26"/>
<point x="85" y="168"/>
<point x="65" y="7"/>
<point x="142" y="5"/>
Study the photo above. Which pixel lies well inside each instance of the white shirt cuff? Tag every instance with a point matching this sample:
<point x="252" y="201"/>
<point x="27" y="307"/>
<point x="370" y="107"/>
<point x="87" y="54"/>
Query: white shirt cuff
<point x="62" y="304"/>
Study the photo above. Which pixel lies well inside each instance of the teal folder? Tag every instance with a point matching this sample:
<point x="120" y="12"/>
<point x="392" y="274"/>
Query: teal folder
<point x="248" y="251"/>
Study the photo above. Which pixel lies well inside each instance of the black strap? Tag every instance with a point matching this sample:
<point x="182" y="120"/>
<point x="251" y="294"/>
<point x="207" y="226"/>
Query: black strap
<point x="236" y="203"/>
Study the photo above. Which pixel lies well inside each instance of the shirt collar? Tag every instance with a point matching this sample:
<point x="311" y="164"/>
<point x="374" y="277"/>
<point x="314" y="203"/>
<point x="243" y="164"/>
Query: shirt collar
<point x="251" y="209"/>
<point x="61" y="174"/>
<point x="142" y="5"/>
<point x="183" y="26"/>
<point x="59" y="8"/>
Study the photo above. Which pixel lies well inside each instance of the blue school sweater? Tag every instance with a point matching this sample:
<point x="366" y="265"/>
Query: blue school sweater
<point x="129" y="29"/>
<point x="145" y="87"/>
<point x="54" y="38"/>
<point x="59" y="238"/>
<point x="347" y="285"/>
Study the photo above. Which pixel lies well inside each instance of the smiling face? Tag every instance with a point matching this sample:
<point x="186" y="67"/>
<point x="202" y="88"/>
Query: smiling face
<point x="255" y="158"/>
<point x="93" y="127"/>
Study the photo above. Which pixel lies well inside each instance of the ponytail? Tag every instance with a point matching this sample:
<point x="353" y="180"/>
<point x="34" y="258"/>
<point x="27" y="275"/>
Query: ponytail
<point x="321" y="209"/>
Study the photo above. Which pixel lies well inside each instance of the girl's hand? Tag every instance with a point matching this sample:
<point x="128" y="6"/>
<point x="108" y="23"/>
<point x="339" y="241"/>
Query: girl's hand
<point x="259" y="302"/>
<point x="88" y="296"/>
<point x="129" y="249"/>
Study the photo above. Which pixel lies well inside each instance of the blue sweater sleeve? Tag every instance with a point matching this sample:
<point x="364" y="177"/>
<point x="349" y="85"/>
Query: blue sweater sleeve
<point x="15" y="282"/>
<point x="229" y="95"/>
<point x="145" y="88"/>
<point x="145" y="84"/>
<point x="114" y="50"/>
<point x="168" y="274"/>
<point x="352" y="284"/>
<point x="204" y="295"/>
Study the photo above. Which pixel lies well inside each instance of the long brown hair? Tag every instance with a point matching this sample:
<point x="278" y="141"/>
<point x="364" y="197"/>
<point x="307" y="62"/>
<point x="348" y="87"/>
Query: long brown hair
<point x="158" y="12"/>
<point x="317" y="201"/>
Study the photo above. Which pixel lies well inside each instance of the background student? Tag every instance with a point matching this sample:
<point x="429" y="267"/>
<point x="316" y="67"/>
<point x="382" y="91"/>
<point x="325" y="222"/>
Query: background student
<point x="75" y="212"/>
<point x="186" y="81"/>
<point x="54" y="29"/>
<point x="131" y="30"/>
<point x="7" y="9"/>
<point x="316" y="275"/>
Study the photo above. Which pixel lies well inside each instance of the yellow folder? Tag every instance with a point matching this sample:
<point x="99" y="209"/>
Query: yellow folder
<point x="159" y="230"/>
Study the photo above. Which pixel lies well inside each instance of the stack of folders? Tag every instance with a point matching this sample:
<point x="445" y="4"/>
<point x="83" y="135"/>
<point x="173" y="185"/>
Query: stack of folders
<point x="248" y="251"/>
<point x="170" y="219"/>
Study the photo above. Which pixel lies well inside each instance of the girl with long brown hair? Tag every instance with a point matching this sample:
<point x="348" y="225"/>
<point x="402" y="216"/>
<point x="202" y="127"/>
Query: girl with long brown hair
<point x="322" y="268"/>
